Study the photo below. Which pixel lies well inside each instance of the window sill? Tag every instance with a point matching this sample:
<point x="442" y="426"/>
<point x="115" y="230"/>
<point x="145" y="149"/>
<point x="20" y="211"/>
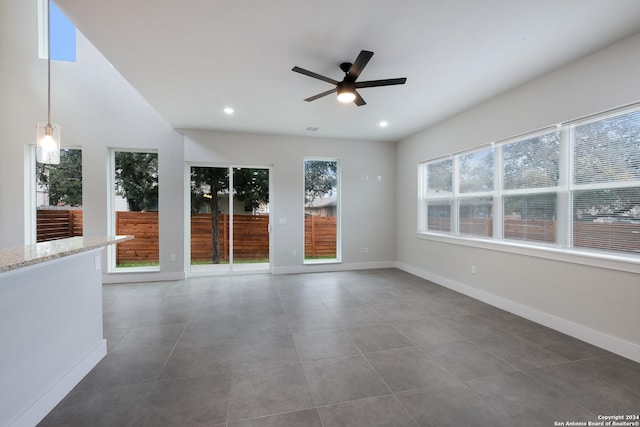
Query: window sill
<point x="322" y="261"/>
<point x="613" y="262"/>
<point x="149" y="269"/>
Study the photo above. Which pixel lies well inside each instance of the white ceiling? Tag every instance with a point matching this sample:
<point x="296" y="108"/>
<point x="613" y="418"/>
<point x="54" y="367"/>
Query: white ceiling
<point x="191" y="58"/>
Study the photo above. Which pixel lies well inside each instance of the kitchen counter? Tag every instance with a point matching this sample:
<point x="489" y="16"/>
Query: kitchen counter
<point x="50" y="323"/>
<point x="24" y="256"/>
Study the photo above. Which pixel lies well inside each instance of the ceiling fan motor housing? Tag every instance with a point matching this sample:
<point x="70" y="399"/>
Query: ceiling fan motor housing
<point x="345" y="66"/>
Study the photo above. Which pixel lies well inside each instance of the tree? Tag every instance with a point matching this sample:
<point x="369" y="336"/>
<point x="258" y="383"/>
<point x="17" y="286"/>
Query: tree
<point x="208" y="184"/>
<point x="136" y="176"/>
<point x="607" y="152"/>
<point x="63" y="181"/>
<point x="476" y="171"/>
<point x="532" y="163"/>
<point x="320" y="179"/>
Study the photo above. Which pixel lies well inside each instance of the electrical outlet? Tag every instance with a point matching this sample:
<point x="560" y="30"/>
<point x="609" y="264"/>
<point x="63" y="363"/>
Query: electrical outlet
<point x="473" y="269"/>
<point x="294" y="253"/>
<point x="173" y="257"/>
<point x="366" y="250"/>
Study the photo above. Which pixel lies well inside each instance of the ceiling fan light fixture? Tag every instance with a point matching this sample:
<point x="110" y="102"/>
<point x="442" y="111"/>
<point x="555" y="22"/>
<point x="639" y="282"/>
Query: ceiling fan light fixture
<point x="346" y="92"/>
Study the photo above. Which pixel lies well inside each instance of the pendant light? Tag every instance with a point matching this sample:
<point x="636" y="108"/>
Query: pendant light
<point x="48" y="134"/>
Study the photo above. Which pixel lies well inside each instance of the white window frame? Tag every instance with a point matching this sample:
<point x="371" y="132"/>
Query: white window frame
<point x="111" y="214"/>
<point x="338" y="258"/>
<point x="563" y="249"/>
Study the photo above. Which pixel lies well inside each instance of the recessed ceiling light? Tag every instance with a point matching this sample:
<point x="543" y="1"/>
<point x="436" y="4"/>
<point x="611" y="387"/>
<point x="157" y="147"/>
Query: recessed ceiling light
<point x="228" y="110"/>
<point x="383" y="124"/>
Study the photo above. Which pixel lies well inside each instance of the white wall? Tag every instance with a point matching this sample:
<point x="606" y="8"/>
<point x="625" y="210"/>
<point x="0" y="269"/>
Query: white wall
<point x="593" y="303"/>
<point x="367" y="220"/>
<point x="97" y="110"/>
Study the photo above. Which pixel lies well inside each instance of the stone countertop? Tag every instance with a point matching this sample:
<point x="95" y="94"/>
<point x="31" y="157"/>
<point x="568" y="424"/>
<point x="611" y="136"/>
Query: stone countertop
<point x="23" y="256"/>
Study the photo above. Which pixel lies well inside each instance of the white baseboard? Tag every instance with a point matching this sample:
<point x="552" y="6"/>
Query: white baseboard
<point x="156" y="276"/>
<point x="611" y="343"/>
<point x="319" y="268"/>
<point x="50" y="398"/>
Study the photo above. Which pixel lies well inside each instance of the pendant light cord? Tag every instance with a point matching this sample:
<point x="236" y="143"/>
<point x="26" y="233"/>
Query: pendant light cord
<point x="49" y="62"/>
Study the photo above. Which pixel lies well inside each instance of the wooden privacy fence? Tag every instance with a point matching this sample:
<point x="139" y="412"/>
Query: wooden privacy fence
<point x="615" y="236"/>
<point x="320" y="237"/>
<point x="146" y="245"/>
<point x="250" y="237"/>
<point x="540" y="230"/>
<point x="53" y="224"/>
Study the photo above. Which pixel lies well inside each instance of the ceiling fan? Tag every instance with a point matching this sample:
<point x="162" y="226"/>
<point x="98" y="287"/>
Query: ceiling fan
<point x="346" y="88"/>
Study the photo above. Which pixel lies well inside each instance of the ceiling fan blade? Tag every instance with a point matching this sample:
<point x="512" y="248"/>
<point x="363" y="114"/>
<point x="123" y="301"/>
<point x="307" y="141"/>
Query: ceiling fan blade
<point x="359" y="64"/>
<point x="320" y="95"/>
<point x="385" y="82"/>
<point x="314" y="75"/>
<point x="358" y="101"/>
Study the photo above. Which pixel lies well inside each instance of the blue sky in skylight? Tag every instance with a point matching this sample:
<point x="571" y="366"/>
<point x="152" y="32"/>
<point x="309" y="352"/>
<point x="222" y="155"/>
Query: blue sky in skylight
<point x="63" y="36"/>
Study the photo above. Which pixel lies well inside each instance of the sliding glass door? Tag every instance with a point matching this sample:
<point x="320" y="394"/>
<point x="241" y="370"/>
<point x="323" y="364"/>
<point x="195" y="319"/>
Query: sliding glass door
<point x="229" y="219"/>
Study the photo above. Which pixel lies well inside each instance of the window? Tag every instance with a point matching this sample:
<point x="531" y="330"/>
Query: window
<point x="475" y="192"/>
<point x="531" y="175"/>
<point x="321" y="211"/>
<point x="63" y="33"/>
<point x="576" y="187"/>
<point x="606" y="184"/>
<point x="135" y="210"/>
<point x="58" y="195"/>
<point x="439" y="194"/>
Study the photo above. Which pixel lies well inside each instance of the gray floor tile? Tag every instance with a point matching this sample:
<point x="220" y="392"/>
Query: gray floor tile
<point x="189" y="361"/>
<point x="118" y="369"/>
<point x="436" y="306"/>
<point x="267" y="391"/>
<point x="427" y="332"/>
<point x="379" y="337"/>
<point x="588" y="388"/>
<point x="618" y="369"/>
<point x="188" y="402"/>
<point x="408" y="368"/>
<point x="518" y="352"/>
<point x="508" y="322"/>
<point x="450" y="405"/>
<point x="263" y="325"/>
<point x="207" y="334"/>
<point x="324" y="344"/>
<point x="104" y="407"/>
<point x="113" y="336"/>
<point x="470" y="326"/>
<point x="351" y="317"/>
<point x="154" y="339"/>
<point x="465" y="361"/>
<point x="524" y="401"/>
<point x="341" y="379"/>
<point x="306" y="418"/>
<point x="400" y="312"/>
<point x="193" y="339"/>
<point x="297" y="305"/>
<point x="568" y="347"/>
<point x="312" y="320"/>
<point x="264" y="350"/>
<point x="383" y="411"/>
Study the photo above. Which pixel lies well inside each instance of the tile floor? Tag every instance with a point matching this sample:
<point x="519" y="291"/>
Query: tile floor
<point x="363" y="348"/>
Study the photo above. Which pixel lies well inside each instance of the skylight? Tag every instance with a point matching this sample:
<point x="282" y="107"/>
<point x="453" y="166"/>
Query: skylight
<point x="63" y="34"/>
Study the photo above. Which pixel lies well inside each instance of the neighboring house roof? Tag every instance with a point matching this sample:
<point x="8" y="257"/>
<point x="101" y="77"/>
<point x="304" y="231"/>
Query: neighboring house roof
<point x="323" y="202"/>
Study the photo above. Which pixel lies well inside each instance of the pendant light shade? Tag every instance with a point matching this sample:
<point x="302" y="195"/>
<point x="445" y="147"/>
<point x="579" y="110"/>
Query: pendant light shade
<point x="48" y="134"/>
<point x="48" y="146"/>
